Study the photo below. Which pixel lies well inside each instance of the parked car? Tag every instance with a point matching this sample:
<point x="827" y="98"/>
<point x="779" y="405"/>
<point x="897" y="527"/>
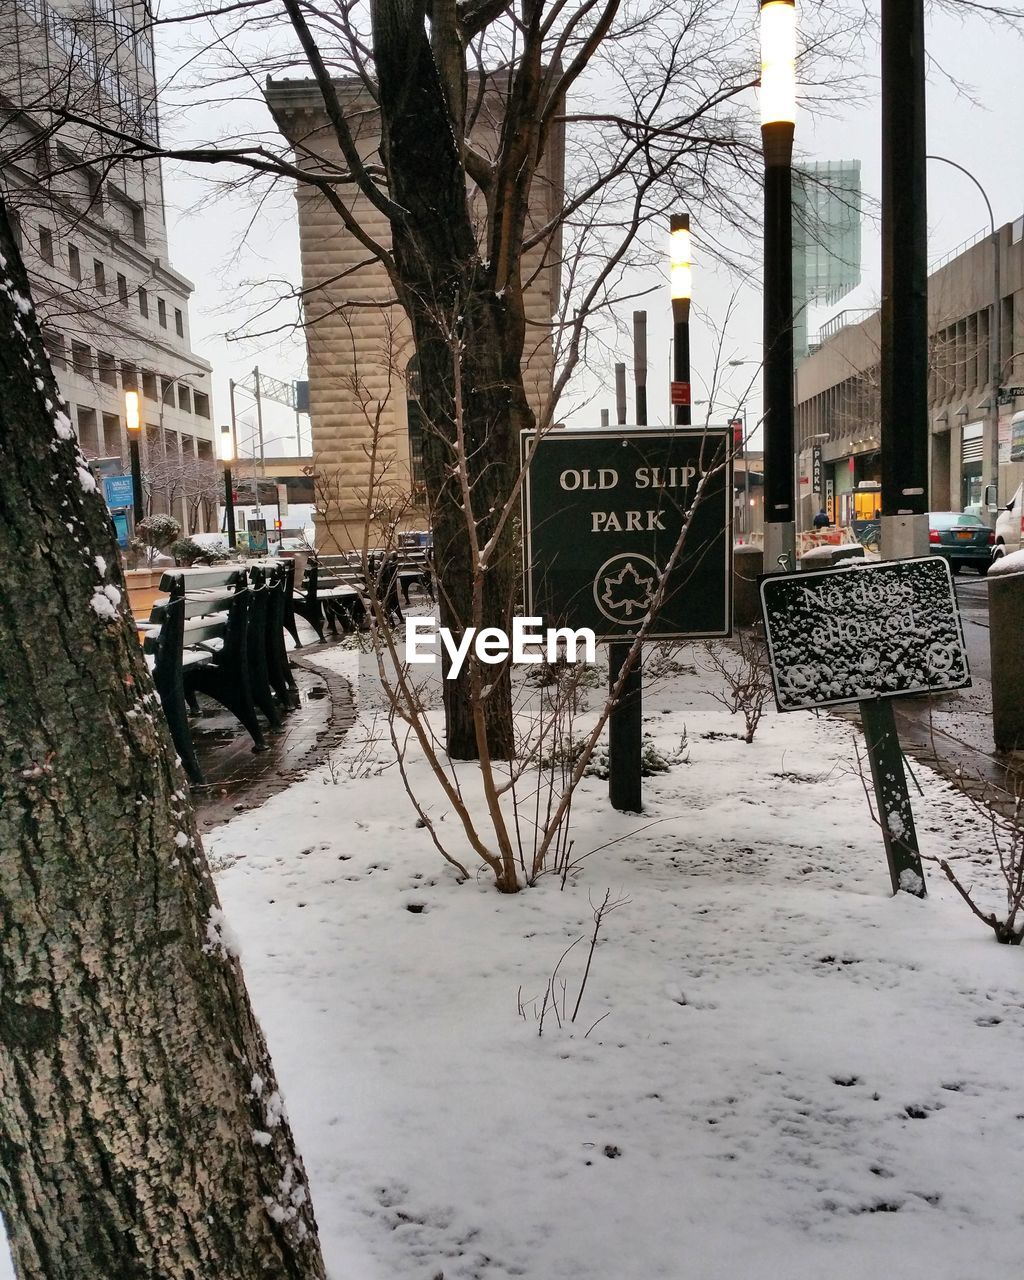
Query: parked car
<point x="961" y="538"/>
<point x="1010" y="526"/>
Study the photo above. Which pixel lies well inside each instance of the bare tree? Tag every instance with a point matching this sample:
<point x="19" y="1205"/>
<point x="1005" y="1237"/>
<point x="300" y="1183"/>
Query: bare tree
<point x="655" y="117"/>
<point x="144" y="1131"/>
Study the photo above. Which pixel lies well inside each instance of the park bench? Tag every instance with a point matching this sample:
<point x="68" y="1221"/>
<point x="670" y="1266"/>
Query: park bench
<point x="341" y="587"/>
<point x="319" y="594"/>
<point x="220" y="633"/>
<point x="270" y="583"/>
<point x="414" y="570"/>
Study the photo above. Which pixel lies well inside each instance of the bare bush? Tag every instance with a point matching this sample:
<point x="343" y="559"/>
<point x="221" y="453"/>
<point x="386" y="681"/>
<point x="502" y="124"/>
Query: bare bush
<point x="747" y="676"/>
<point x="1005" y="852"/>
<point x="555" y="997"/>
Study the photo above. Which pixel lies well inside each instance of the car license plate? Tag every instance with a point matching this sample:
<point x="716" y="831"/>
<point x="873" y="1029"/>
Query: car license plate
<point x="964" y="535"/>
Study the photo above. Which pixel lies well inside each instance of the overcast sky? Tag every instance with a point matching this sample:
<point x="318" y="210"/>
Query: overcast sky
<point x="975" y="117"/>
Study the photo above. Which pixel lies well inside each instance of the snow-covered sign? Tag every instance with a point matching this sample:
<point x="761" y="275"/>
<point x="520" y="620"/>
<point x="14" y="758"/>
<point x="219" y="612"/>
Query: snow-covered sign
<point x="603" y="514"/>
<point x="864" y="631"/>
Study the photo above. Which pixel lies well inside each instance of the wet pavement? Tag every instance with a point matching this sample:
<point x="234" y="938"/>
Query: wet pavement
<point x="238" y="778"/>
<point x="953" y="733"/>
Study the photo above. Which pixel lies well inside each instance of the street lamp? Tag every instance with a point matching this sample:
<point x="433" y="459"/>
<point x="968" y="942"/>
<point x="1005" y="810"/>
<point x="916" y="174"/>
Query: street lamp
<point x="995" y="362"/>
<point x="903" y="364"/>
<point x="682" y="282"/>
<point x="778" y="125"/>
<point x="227" y="456"/>
<point x="133" y="422"/>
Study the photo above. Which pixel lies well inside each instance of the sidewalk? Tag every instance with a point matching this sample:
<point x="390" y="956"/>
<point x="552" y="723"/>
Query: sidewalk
<point x="237" y="778"/>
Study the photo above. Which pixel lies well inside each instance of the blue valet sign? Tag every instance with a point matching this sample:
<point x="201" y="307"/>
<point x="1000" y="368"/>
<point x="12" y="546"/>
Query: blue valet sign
<point x="117" y="490"/>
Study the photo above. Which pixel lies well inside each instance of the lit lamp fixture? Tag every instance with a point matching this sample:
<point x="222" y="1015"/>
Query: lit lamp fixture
<point x="682" y="284"/>
<point x="226" y="451"/>
<point x="778" y="114"/>
<point x="778" y="62"/>
<point x="133" y="421"/>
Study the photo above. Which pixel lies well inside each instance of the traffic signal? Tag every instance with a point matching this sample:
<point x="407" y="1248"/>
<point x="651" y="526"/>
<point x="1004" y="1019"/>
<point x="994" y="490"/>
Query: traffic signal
<point x="277" y="524"/>
<point x="737" y="437"/>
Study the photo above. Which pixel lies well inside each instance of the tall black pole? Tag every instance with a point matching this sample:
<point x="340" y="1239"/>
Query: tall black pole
<point x="136" y="464"/>
<point x="904" y="359"/>
<point x="229" y="509"/>
<point x="640" y="365"/>
<point x="626" y="722"/>
<point x="681" y="397"/>
<point x="778" y="88"/>
<point x="620" y="394"/>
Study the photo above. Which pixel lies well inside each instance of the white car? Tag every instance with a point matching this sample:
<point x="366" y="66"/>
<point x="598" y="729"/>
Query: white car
<point x="1010" y="526"/>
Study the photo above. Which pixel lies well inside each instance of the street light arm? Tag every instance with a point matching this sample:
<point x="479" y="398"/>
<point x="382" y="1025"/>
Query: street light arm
<point x="1008" y="361"/>
<point x="967" y="174"/>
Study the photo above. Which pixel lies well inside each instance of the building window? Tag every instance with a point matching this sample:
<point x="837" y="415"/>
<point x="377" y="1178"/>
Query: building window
<point x="201" y="404"/>
<point x="95" y="184"/>
<point x="139" y="225"/>
<point x="15" y="221"/>
<point x="99" y="275"/>
<point x="149" y="384"/>
<point x="41" y="156"/>
<point x="81" y="359"/>
<point x="179" y="322"/>
<point x="106" y="367"/>
<point x="88" y="431"/>
<point x="129" y="377"/>
<point x="144" y="304"/>
<point x="74" y="262"/>
<point x="161" y="312"/>
<point x="122" y="289"/>
<point x="46" y="245"/>
<point x="55" y="348"/>
<point x="417" y="475"/>
<point x="184" y="398"/>
<point x="111" y="435"/>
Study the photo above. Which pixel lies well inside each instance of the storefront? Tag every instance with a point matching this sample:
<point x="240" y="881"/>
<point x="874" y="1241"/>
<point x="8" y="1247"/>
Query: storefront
<point x="971" y="464"/>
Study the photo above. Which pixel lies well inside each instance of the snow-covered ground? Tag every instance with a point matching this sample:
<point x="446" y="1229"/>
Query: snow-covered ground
<point x="777" y="1069"/>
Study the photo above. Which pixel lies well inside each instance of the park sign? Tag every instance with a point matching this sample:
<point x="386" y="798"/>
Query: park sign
<point x="863" y="632"/>
<point x="603" y="510"/>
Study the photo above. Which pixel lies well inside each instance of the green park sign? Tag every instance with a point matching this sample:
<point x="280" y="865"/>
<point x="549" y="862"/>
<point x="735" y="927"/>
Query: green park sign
<point x="603" y="512"/>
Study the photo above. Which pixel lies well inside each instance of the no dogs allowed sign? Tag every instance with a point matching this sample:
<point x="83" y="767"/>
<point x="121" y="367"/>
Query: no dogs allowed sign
<point x="603" y="511"/>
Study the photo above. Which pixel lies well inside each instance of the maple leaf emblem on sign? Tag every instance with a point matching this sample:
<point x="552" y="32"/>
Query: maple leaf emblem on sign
<point x="627" y="592"/>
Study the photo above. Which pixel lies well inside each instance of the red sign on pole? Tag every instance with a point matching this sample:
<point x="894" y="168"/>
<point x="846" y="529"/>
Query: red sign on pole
<point x="680" y="393"/>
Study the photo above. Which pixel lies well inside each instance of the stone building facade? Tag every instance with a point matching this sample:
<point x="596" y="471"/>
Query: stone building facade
<point x="362" y="379"/>
<point x="93" y="234"/>
<point x="837" y="389"/>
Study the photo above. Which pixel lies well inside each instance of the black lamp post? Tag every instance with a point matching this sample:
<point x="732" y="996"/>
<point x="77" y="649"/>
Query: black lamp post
<point x="227" y="456"/>
<point x="778" y="116"/>
<point x="679" y="240"/>
<point x="133" y="422"/>
<point x="903" y="366"/>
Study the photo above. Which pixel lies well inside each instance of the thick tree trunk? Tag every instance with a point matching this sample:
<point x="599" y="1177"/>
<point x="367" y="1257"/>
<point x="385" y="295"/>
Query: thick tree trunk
<point x="142" y="1132"/>
<point x="463" y="330"/>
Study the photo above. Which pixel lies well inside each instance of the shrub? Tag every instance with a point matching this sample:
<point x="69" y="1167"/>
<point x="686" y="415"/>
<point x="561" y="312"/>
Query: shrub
<point x="158" y="532"/>
<point x="187" y="551"/>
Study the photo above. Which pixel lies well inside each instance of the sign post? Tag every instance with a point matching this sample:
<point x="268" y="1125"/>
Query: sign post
<point x="868" y="633"/>
<point x="604" y="514"/>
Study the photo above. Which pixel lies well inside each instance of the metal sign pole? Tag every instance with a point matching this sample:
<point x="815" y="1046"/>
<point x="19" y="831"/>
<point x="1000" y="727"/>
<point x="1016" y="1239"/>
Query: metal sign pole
<point x="602" y="510"/>
<point x="867" y="633"/>
<point x="894" y="812"/>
